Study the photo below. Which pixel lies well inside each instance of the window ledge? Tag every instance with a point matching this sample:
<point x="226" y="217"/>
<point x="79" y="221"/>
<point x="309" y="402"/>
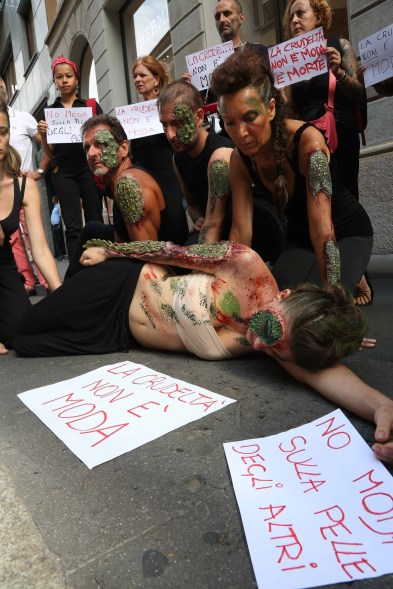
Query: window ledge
<point x="31" y="64"/>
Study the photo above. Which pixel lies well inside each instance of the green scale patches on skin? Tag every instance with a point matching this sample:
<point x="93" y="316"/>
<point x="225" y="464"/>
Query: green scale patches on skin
<point x="135" y="247"/>
<point x="219" y="182"/>
<point x="148" y="315"/>
<point x="333" y="263"/>
<point x="169" y="314"/>
<point x="230" y="306"/>
<point x="266" y="326"/>
<point x="255" y="104"/>
<point x="203" y="233"/>
<point x="213" y="311"/>
<point x="243" y="341"/>
<point x="156" y="286"/>
<point x="205" y="250"/>
<point x="179" y="285"/>
<point x="203" y="300"/>
<point x="191" y="315"/>
<point x="188" y="131"/>
<point x="319" y="173"/>
<point x="130" y="199"/>
<point x="109" y="155"/>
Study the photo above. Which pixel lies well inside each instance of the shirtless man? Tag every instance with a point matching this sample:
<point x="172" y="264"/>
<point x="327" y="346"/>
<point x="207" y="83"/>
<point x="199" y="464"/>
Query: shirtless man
<point x="228" y="306"/>
<point x="138" y="209"/>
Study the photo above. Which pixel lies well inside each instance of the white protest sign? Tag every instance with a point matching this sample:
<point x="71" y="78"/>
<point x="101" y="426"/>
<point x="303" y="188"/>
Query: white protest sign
<point x="117" y="408"/>
<point x="140" y="119"/>
<point x="316" y="505"/>
<point x="202" y="63"/>
<point x="64" y="124"/>
<point x="376" y="54"/>
<point x="300" y="58"/>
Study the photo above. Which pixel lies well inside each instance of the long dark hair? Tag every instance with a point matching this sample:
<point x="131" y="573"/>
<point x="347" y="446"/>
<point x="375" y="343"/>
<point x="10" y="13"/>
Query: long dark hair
<point x="12" y="160"/>
<point x="246" y="68"/>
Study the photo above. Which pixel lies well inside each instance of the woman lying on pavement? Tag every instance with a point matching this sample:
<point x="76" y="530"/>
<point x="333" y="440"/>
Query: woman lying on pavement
<point x="230" y="305"/>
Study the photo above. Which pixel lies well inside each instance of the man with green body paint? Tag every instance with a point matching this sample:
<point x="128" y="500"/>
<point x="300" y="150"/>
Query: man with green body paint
<point x="201" y="159"/>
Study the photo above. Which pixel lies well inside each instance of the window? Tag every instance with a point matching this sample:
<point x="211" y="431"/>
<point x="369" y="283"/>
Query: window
<point x="8" y="74"/>
<point x="26" y="12"/>
<point x="263" y="13"/>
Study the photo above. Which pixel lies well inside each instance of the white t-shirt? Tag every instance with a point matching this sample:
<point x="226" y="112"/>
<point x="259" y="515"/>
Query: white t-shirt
<point x="23" y="128"/>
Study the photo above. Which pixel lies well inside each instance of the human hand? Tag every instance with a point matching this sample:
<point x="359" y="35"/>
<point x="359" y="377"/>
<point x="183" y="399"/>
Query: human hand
<point x="383" y="448"/>
<point x="360" y="73"/>
<point x="186" y="77"/>
<point x="42" y="127"/>
<point x="93" y="256"/>
<point x="333" y="58"/>
<point x="34" y="175"/>
<point x="198" y="224"/>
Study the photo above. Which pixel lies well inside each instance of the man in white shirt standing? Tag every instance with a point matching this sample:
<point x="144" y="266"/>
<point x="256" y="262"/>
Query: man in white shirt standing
<point x="23" y="131"/>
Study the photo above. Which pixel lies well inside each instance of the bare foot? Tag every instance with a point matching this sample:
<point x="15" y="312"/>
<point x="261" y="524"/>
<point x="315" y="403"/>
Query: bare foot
<point x="363" y="293"/>
<point x="3" y="350"/>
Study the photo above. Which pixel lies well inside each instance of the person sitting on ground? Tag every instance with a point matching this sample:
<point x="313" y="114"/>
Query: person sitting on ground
<point x="230" y="305"/>
<point x="154" y="153"/>
<point x="139" y="207"/>
<point x="329" y="234"/>
<point x="18" y="191"/>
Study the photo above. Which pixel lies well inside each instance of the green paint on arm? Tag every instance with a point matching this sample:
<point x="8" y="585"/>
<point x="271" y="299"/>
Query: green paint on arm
<point x="319" y="174"/>
<point x="130" y="200"/>
<point x="219" y="182"/>
<point x="333" y="263"/>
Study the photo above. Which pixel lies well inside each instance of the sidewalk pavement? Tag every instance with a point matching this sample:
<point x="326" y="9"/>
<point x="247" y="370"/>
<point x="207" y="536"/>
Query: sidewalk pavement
<point x="164" y="515"/>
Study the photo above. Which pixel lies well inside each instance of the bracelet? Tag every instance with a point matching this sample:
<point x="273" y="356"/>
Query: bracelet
<point x="343" y="78"/>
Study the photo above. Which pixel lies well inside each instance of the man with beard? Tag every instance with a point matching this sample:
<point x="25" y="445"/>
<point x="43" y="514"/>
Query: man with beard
<point x="139" y="206"/>
<point x="201" y="159"/>
<point x="229" y="17"/>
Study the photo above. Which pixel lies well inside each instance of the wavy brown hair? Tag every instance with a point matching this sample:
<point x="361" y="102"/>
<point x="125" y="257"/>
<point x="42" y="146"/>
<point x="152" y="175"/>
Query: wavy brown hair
<point x="157" y="68"/>
<point x="326" y="326"/>
<point x="12" y="161"/>
<point x="322" y="10"/>
<point x="240" y="70"/>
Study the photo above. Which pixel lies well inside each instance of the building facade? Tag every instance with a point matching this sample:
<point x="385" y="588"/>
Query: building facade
<point x="106" y="36"/>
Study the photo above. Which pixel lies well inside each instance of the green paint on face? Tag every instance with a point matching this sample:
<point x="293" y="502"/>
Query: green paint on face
<point x="109" y="155"/>
<point x="188" y="131"/>
<point x="219" y="182"/>
<point x="130" y="200"/>
<point x="255" y="104"/>
<point x="266" y="326"/>
<point x="333" y="264"/>
<point x="148" y="315"/>
<point x="169" y="314"/>
<point x="230" y="305"/>
<point x="319" y="173"/>
<point x="205" y="250"/>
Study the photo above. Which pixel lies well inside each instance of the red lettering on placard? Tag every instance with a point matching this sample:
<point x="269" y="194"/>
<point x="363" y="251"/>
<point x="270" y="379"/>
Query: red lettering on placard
<point x="336" y="439"/>
<point x="336" y="515"/>
<point x="143" y="406"/>
<point x="369" y="476"/>
<point x="69" y="401"/>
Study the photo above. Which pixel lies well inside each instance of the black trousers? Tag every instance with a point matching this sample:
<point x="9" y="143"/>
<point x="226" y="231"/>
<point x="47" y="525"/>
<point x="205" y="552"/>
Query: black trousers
<point x="13" y="302"/>
<point x="72" y="186"/>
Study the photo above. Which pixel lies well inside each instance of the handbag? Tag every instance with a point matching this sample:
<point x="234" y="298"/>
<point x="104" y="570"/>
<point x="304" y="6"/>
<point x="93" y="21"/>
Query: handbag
<point x="327" y="123"/>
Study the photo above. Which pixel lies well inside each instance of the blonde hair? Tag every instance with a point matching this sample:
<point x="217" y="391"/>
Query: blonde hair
<point x="322" y="10"/>
<point x="157" y="68"/>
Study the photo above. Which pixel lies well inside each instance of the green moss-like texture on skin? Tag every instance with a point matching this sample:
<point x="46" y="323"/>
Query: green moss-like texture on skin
<point x="319" y="174"/>
<point x="230" y="305"/>
<point x="187" y="132"/>
<point x="203" y="300"/>
<point x="179" y="285"/>
<point x="130" y="200"/>
<point x="134" y="247"/>
<point x="255" y="104"/>
<point x="191" y="315"/>
<point x="266" y="326"/>
<point x="156" y="286"/>
<point x="148" y="315"/>
<point x="206" y="250"/>
<point x="219" y="182"/>
<point x="244" y="341"/>
<point x="109" y="155"/>
<point x="333" y="262"/>
<point x="213" y="310"/>
<point x="203" y="233"/>
<point x="169" y="314"/>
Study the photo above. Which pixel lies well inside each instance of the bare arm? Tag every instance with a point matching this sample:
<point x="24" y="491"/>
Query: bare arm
<point x="219" y="192"/>
<point x="44" y="163"/>
<point x="196" y="214"/>
<point x="242" y="202"/>
<point x="314" y="165"/>
<point x="41" y="253"/>
<point x="46" y="147"/>
<point x="344" y="68"/>
<point x="341" y="386"/>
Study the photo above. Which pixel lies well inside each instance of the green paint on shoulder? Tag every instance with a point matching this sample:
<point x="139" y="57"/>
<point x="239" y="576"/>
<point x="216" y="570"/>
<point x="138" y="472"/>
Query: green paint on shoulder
<point x="130" y="200"/>
<point x="219" y="182"/>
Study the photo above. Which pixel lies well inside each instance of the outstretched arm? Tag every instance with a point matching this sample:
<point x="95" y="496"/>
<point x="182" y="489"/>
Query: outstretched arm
<point x="341" y="386"/>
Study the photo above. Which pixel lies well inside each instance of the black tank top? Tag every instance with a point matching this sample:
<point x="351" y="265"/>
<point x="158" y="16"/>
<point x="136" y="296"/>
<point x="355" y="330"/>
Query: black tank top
<point x="11" y="223"/>
<point x="349" y="217"/>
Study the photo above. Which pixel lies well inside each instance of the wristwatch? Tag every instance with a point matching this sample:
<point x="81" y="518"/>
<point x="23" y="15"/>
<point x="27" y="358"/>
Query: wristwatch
<point x="40" y="171"/>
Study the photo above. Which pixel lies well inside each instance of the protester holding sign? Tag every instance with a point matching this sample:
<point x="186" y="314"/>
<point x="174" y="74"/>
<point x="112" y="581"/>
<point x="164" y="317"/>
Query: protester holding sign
<point x="309" y="98"/>
<point x="154" y="153"/>
<point x="228" y="306"/>
<point x="289" y="161"/>
<point x="71" y="177"/>
<point x="17" y="191"/>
